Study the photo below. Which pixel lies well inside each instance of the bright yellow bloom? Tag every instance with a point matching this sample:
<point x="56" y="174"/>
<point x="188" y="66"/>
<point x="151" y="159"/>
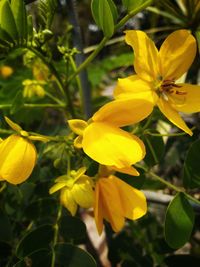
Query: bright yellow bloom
<point x="115" y="200"/>
<point x="76" y="189"/>
<point x="6" y="71"/>
<point x="103" y="140"/>
<point x="17" y="159"/>
<point x="157" y="72"/>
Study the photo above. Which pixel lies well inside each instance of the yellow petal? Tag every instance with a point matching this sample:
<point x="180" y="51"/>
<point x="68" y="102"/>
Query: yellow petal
<point x="123" y="112"/>
<point x="13" y="125"/>
<point x="133" y="201"/>
<point x="177" y="54"/>
<point x="17" y="159"/>
<point x="145" y="55"/>
<point x="78" y="142"/>
<point x="57" y="187"/>
<point x="67" y="200"/>
<point x="173" y="115"/>
<point x="83" y="193"/>
<point x="98" y="209"/>
<point x="134" y="87"/>
<point x="79" y="173"/>
<point x="111" y="205"/>
<point x="77" y="126"/>
<point x="187" y="98"/>
<point x="128" y="170"/>
<point x="111" y="146"/>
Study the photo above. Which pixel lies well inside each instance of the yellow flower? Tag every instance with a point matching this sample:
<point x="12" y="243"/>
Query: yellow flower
<point x="157" y="72"/>
<point x="103" y="140"/>
<point x="32" y="88"/>
<point x="17" y="159"/>
<point x="76" y="189"/>
<point x="115" y="200"/>
<point x="6" y="71"/>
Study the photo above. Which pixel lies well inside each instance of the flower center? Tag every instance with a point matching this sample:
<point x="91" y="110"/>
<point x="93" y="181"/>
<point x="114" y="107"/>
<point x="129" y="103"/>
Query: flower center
<point x="168" y="87"/>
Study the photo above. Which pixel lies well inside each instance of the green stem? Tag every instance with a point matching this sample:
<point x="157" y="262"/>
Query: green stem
<point x="132" y="13"/>
<point x="55" y="239"/>
<point x="3" y="187"/>
<point x="147" y="122"/>
<point x="160" y="135"/>
<point x="105" y="39"/>
<point x="175" y="188"/>
<point x="89" y="59"/>
<point x="45" y="105"/>
<point x="74" y="67"/>
<point x="54" y="98"/>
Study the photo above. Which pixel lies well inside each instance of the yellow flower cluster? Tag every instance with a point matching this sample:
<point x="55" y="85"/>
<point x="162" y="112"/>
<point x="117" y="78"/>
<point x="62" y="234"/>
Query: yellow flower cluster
<point x="33" y="88"/>
<point x="102" y="138"/>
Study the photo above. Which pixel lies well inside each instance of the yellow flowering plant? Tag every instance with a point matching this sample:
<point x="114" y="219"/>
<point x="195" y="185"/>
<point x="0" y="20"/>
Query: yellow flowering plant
<point x="112" y="181"/>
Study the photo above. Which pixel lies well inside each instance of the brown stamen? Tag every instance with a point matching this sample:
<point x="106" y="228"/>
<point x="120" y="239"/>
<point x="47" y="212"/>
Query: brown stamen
<point x="169" y="86"/>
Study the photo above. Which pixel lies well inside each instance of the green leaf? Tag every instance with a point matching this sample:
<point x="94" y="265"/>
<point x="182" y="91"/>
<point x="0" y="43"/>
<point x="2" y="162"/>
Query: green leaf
<point x="38" y="238"/>
<point x="7" y="20"/>
<point x="197" y="34"/>
<point x="39" y="258"/>
<point x="191" y="173"/>
<point x="154" y="149"/>
<point x="30" y="28"/>
<point x="179" y="221"/>
<point x="19" y="13"/>
<point x="71" y="256"/>
<point x="72" y="228"/>
<point x="132" y="4"/>
<point x="5" y="227"/>
<point x="17" y="103"/>
<point x="104" y="13"/>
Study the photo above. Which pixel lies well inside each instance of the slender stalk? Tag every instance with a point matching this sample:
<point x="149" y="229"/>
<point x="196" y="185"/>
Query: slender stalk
<point x="160" y="135"/>
<point x="175" y="188"/>
<point x="105" y="39"/>
<point x="90" y="58"/>
<point x="132" y="13"/>
<point x="74" y="67"/>
<point x="55" y="239"/>
<point x="44" y="105"/>
<point x="58" y="101"/>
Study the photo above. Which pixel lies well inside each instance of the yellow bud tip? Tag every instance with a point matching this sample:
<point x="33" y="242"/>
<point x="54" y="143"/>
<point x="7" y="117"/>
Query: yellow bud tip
<point x="24" y="133"/>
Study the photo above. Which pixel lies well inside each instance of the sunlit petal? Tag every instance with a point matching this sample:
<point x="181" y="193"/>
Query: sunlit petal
<point x="111" y="205"/>
<point x="177" y="54"/>
<point x="57" y="187"/>
<point x="77" y="126"/>
<point x="83" y="193"/>
<point x="145" y="54"/>
<point x="17" y="159"/>
<point x="173" y="115"/>
<point x="133" y="201"/>
<point x="67" y="200"/>
<point x="128" y="170"/>
<point x="124" y="112"/>
<point x="132" y="85"/>
<point x="98" y="210"/>
<point x="187" y="98"/>
<point x="111" y="146"/>
<point x="78" y="141"/>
